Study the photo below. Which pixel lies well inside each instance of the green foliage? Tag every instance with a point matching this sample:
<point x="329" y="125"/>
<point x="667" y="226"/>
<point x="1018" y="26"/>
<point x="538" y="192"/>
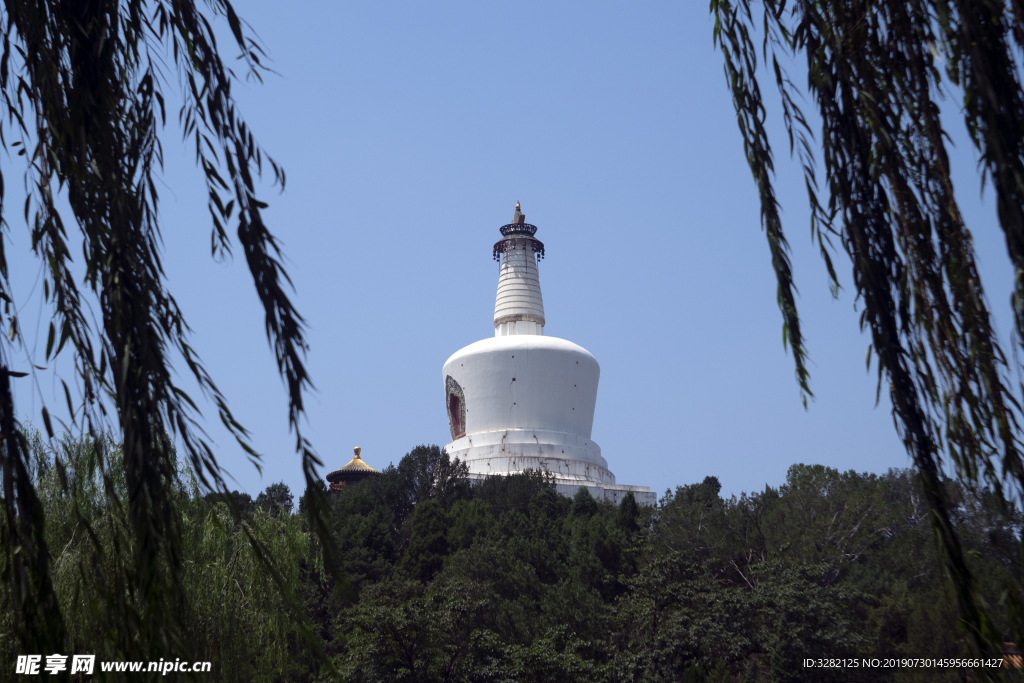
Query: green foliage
<point x="429" y="543"/>
<point x="876" y="73"/>
<point x="235" y="613"/>
<point x="629" y="513"/>
<point x="238" y="618"/>
<point x="583" y="504"/>
<point x="509" y="581"/>
<point x="276" y="498"/>
<point x="512" y="582"/>
<point x="82" y="90"/>
<point x="242" y="502"/>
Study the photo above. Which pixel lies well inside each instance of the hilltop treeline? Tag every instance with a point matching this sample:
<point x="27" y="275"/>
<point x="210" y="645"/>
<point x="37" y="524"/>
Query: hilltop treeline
<point x="509" y="581"/>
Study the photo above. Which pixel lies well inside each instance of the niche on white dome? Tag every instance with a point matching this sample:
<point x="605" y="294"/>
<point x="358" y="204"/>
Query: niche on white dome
<point x="456" y="407"/>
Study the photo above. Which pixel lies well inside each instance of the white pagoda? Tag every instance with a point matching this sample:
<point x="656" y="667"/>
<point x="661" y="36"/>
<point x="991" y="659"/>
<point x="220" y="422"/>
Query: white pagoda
<point x="520" y="400"/>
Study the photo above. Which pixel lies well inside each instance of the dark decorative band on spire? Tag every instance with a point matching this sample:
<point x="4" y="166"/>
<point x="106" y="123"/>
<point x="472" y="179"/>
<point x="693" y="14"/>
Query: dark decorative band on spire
<point x="518" y="229"/>
<point x="501" y="246"/>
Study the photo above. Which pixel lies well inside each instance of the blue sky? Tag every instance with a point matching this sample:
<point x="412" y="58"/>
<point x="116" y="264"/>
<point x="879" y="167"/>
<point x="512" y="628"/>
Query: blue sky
<point x="408" y="132"/>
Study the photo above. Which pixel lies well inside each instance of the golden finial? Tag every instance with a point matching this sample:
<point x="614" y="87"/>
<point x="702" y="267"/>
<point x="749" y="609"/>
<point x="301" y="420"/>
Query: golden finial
<point x="357" y="449"/>
<point x="519" y="216"/>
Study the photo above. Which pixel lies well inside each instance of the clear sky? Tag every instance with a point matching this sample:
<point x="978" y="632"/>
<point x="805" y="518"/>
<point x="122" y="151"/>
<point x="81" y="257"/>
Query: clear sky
<point x="408" y="132"/>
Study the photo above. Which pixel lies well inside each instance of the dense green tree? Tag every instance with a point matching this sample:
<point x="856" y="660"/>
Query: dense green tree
<point x="505" y="494"/>
<point x="555" y="657"/>
<point x="510" y="581"/>
<point x="82" y="90"/>
<point x="429" y="542"/>
<point x="876" y="72"/>
<point x="583" y="504"/>
<point x="231" y="607"/>
<point x="243" y="502"/>
<point x="404" y="633"/>
<point x="702" y="588"/>
<point x="427" y="473"/>
<point x="629" y="513"/>
<point x="276" y="498"/>
<point x="471" y="519"/>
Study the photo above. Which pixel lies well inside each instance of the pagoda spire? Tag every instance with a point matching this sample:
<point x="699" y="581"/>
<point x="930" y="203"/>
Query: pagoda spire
<point x="518" y="307"/>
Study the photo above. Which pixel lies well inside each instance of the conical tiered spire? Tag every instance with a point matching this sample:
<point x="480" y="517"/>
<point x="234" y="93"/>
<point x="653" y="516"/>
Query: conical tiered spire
<point x="519" y="307"/>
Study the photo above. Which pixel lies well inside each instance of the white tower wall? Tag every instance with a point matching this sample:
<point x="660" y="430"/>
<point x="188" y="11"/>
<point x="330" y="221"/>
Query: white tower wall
<point x="519" y="306"/>
<point x="529" y="405"/>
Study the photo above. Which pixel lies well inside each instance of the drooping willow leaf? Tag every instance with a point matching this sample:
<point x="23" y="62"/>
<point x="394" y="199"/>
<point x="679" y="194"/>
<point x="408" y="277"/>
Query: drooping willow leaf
<point x="82" y="94"/>
<point x="875" y="72"/>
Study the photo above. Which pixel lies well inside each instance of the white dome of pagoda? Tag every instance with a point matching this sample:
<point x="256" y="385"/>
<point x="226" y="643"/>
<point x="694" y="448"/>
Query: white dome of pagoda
<point x="529" y="404"/>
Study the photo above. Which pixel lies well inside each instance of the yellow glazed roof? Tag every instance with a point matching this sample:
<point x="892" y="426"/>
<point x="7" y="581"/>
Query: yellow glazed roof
<point x="356" y="464"/>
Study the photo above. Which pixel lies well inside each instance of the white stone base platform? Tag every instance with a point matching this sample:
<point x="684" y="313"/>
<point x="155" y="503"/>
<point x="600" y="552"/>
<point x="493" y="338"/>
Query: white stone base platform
<point x="613" y="493"/>
<point x="572" y="460"/>
<point x="566" y="456"/>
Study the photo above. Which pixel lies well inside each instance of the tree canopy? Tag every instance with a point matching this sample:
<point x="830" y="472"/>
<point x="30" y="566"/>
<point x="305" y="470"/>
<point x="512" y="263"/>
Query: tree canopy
<point x="879" y="183"/>
<point x="84" y="92"/>
<point x="509" y="581"/>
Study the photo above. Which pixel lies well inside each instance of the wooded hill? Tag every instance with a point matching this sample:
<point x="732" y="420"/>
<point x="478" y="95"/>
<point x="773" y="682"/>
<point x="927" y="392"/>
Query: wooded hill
<point x="509" y="581"/>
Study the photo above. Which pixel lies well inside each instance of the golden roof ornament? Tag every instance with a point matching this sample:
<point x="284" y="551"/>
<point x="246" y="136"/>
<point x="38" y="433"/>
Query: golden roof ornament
<point x="519" y="218"/>
<point x="352" y="473"/>
<point x="356" y="464"/>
